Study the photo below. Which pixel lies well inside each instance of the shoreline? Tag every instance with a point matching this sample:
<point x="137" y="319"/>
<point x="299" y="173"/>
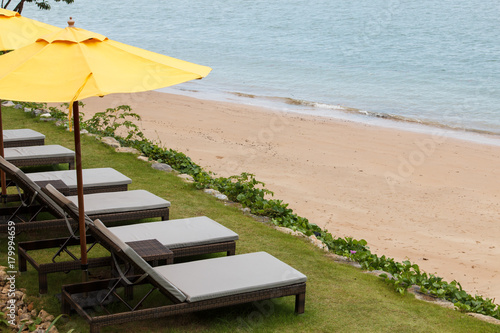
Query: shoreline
<point x="341" y="112"/>
<point x="429" y="198"/>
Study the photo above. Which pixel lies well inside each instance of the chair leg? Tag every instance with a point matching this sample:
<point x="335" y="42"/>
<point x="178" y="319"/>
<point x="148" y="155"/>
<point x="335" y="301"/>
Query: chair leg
<point x="42" y="283"/>
<point x="94" y="328"/>
<point x="65" y="306"/>
<point x="300" y="302"/>
<point x="232" y="250"/>
<point x="22" y="263"/>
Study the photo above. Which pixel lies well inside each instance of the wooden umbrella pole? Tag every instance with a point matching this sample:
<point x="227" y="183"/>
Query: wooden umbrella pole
<point x="79" y="184"/>
<point x="2" y="174"/>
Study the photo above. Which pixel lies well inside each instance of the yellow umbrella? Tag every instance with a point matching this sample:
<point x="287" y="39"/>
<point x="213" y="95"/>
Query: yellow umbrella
<point x="17" y="31"/>
<point x="73" y="64"/>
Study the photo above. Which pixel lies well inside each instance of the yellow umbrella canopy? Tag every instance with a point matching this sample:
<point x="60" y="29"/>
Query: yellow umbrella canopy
<point x="72" y="64"/>
<point x="17" y="31"/>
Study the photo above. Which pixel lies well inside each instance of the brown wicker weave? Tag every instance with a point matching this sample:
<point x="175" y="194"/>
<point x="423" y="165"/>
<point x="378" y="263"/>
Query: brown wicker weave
<point x="23" y="143"/>
<point x="31" y="190"/>
<point x="97" y="322"/>
<point x="38" y="161"/>
<point x="69" y="190"/>
<point x="176" y="307"/>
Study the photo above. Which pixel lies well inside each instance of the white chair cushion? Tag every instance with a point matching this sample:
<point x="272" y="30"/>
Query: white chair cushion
<point x="177" y="233"/>
<point x="122" y="201"/>
<point x="21" y="134"/>
<point x="212" y="278"/>
<point x="37" y="152"/>
<point x="91" y="177"/>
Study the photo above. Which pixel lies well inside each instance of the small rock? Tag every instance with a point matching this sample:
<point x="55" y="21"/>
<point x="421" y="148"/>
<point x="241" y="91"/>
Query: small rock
<point x="59" y="123"/>
<point x="187" y="178"/>
<point x="127" y="150"/>
<point x="44" y="115"/>
<point x="43" y="314"/>
<point x="246" y="210"/>
<point x="18" y="106"/>
<point x="290" y="231"/>
<point x="216" y="194"/>
<point x="318" y="243"/>
<point x="143" y="158"/>
<point x="84" y="131"/>
<point x="161" y="166"/>
<point x="27" y="110"/>
<point x="49" y="318"/>
<point x="18" y="294"/>
<point x="91" y="134"/>
<point x="210" y="191"/>
<point x="25" y="316"/>
<point x="378" y="272"/>
<point x="7" y="103"/>
<point x="110" y="142"/>
<point x="221" y="196"/>
<point x="488" y="319"/>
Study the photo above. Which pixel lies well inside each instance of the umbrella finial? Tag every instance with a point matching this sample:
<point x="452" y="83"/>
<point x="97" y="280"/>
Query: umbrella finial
<point x="71" y="23"/>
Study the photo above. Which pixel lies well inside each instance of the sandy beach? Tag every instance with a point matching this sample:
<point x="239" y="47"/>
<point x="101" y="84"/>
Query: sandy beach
<point x="424" y="197"/>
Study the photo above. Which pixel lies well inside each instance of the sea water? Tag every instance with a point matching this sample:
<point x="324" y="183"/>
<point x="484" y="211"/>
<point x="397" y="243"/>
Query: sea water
<point x="431" y="62"/>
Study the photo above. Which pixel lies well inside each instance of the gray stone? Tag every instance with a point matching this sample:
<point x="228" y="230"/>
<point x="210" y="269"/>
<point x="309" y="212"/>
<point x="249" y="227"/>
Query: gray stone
<point x="7" y="103"/>
<point x="246" y="210"/>
<point x="221" y="196"/>
<point x="318" y="243"/>
<point x="186" y="178"/>
<point x="488" y="319"/>
<point x="290" y="231"/>
<point x="18" y="106"/>
<point x="110" y="142"/>
<point x="127" y="150"/>
<point x="25" y="316"/>
<point x="162" y="167"/>
<point x="27" y="110"/>
<point x="216" y="194"/>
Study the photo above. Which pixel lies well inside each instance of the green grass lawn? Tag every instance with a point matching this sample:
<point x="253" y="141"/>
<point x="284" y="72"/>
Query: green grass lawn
<point x="339" y="298"/>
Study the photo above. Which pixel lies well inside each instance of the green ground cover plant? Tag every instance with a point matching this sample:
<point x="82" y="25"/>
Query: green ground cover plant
<point x="339" y="297"/>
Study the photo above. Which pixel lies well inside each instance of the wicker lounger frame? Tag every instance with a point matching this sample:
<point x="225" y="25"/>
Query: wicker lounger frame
<point x="23" y="143"/>
<point x="97" y="322"/>
<point x="74" y="190"/>
<point x="177" y="308"/>
<point x="37" y="161"/>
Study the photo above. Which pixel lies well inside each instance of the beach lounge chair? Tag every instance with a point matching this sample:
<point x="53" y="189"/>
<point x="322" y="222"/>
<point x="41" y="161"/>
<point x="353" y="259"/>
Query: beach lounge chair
<point x="109" y="207"/>
<point x="155" y="241"/>
<point x="40" y="155"/>
<point x="187" y="287"/>
<point x="95" y="180"/>
<point x="22" y="137"/>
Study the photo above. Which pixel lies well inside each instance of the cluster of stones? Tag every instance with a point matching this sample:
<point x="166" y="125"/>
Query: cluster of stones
<point x="12" y="302"/>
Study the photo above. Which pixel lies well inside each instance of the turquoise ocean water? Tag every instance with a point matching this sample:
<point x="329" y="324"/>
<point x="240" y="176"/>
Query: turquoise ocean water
<point x="431" y="62"/>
